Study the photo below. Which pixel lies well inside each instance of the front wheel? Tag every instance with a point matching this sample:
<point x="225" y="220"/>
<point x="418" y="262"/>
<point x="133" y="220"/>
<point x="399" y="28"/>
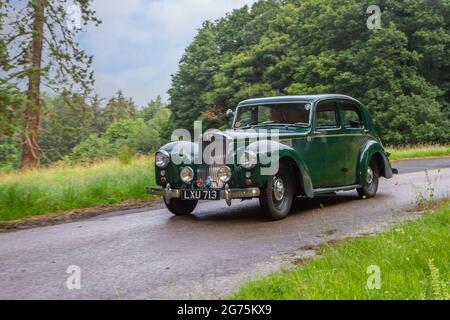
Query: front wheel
<point x="370" y="185"/>
<point x="181" y="207"/>
<point x="278" y="195"/>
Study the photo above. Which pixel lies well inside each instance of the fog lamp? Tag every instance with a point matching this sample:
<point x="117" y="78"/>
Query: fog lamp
<point x="187" y="174"/>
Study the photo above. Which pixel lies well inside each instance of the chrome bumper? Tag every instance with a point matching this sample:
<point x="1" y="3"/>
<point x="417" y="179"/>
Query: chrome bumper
<point x="227" y="194"/>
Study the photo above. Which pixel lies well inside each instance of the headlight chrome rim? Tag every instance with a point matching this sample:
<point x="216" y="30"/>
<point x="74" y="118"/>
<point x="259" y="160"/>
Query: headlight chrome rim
<point x="162" y="159"/>
<point x="224" y="174"/>
<point x="248" y="160"/>
<point x="187" y="174"/>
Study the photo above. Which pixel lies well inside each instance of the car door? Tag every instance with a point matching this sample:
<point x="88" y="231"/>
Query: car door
<point x="324" y="155"/>
<point x="354" y="137"/>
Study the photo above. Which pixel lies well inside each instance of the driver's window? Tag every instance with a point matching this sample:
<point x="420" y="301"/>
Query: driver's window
<point x="246" y="117"/>
<point x="326" y="116"/>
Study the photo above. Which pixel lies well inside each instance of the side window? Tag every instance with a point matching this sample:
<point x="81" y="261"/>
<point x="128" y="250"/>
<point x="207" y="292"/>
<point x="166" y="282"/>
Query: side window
<point x="352" y="117"/>
<point x="326" y="116"/>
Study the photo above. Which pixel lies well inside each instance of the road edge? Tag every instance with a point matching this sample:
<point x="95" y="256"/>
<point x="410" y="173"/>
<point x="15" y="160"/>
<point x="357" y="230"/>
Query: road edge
<point x="74" y="215"/>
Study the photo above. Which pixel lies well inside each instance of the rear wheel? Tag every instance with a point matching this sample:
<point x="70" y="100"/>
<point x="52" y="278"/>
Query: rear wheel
<point x="181" y="207"/>
<point x="370" y="185"/>
<point x="278" y="194"/>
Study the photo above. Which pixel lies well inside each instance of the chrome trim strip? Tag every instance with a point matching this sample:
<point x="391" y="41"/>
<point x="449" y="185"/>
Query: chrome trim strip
<point x="332" y="136"/>
<point x="335" y="189"/>
<point x="339" y="135"/>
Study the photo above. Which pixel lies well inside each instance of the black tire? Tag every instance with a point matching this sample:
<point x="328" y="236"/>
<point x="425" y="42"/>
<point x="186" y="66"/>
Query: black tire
<point x="181" y="207"/>
<point x="274" y="207"/>
<point x="370" y="185"/>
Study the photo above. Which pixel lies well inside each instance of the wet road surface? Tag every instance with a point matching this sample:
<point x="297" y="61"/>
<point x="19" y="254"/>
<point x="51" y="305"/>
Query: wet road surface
<point x="150" y="254"/>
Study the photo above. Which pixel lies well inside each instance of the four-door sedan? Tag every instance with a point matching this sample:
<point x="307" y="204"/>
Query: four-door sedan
<point x="317" y="144"/>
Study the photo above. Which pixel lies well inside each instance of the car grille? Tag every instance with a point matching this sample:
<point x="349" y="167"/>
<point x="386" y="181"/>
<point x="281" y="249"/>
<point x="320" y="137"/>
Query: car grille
<point x="218" y="160"/>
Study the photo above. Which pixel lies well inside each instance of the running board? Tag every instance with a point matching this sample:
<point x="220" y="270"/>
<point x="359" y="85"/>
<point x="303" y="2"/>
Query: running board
<point x="335" y="189"/>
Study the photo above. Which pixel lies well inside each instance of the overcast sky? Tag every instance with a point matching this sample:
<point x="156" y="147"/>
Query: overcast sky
<point x="140" y="42"/>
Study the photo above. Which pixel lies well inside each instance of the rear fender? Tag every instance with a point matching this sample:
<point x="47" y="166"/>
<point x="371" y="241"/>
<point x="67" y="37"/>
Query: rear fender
<point x="370" y="150"/>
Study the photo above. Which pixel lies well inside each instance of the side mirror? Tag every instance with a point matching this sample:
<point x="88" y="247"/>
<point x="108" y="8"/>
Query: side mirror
<point x="230" y="113"/>
<point x="356" y="124"/>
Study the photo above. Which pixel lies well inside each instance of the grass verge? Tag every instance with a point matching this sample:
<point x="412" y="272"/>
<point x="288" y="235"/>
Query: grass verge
<point x="413" y="260"/>
<point x="425" y="151"/>
<point x="66" y="188"/>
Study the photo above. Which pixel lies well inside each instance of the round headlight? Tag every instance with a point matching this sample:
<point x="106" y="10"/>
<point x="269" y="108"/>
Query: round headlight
<point x="162" y="159"/>
<point x="224" y="174"/>
<point x="187" y="174"/>
<point x="248" y="160"/>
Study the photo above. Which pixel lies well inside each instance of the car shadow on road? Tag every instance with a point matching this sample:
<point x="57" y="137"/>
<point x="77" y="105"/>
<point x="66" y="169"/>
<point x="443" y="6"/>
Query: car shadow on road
<point x="251" y="211"/>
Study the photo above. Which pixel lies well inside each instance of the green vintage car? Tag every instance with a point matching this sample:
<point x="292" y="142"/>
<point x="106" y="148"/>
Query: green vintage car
<point x="278" y="149"/>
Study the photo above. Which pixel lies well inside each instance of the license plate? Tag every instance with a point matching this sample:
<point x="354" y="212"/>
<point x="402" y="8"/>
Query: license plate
<point x="200" y="195"/>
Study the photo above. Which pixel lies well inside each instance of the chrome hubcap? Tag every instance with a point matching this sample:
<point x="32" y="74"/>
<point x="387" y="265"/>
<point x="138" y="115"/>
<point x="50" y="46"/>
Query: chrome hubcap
<point x="369" y="175"/>
<point x="278" y="189"/>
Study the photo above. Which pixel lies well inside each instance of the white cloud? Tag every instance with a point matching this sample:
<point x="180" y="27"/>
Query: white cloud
<point x="140" y="42"/>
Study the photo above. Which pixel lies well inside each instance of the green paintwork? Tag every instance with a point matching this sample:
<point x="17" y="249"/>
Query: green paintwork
<point x="325" y="160"/>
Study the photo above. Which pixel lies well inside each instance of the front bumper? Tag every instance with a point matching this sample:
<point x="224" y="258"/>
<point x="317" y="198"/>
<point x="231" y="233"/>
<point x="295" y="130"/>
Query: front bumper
<point x="227" y="194"/>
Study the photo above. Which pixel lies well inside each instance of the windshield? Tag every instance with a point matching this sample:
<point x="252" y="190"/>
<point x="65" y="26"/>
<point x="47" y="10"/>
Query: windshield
<point x="295" y="114"/>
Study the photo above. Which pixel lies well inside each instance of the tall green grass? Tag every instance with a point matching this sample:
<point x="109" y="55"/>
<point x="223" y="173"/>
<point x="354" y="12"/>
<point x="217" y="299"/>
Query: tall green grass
<point x="65" y="188"/>
<point x="413" y="259"/>
<point x="420" y="151"/>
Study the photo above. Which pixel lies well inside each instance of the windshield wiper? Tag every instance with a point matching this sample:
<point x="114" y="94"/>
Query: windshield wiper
<point x="272" y="123"/>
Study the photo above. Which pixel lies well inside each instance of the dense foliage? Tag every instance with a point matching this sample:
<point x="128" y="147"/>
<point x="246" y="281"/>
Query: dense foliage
<point x="276" y="47"/>
<point x="401" y="72"/>
<point x="78" y="129"/>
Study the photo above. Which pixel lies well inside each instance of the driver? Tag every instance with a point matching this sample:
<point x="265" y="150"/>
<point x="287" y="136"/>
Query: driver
<point x="276" y="116"/>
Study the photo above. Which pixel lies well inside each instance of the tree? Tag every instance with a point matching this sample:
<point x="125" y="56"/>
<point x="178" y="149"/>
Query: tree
<point x="193" y="81"/>
<point x="152" y="108"/>
<point x="127" y="137"/>
<point x="98" y="123"/>
<point x="11" y="107"/>
<point x="280" y="47"/>
<point x="65" y="123"/>
<point x="43" y="51"/>
<point x="119" y="108"/>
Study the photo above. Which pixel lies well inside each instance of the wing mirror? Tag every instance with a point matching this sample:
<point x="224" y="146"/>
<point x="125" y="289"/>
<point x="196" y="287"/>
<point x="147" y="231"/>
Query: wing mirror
<point x="230" y="113"/>
<point x="356" y="124"/>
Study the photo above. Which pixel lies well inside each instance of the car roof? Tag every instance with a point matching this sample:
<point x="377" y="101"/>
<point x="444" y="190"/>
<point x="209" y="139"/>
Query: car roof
<point x="287" y="99"/>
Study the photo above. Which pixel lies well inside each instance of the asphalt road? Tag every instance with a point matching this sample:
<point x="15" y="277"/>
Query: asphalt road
<point x="153" y="255"/>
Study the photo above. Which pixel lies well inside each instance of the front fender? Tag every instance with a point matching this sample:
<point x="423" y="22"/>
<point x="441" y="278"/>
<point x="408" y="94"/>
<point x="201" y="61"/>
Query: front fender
<point x="187" y="150"/>
<point x="368" y="151"/>
<point x="181" y="153"/>
<point x="284" y="152"/>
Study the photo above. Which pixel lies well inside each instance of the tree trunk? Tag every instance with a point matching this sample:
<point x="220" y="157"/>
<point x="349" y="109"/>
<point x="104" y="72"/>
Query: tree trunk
<point x="31" y="150"/>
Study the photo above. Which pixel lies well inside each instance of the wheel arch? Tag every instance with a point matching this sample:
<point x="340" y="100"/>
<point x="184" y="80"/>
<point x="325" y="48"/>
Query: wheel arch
<point x="288" y="155"/>
<point x="300" y="171"/>
<point x="374" y="150"/>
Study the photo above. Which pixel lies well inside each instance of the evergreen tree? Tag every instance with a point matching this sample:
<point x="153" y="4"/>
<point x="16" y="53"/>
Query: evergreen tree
<point x="119" y="108"/>
<point x="43" y="51"/>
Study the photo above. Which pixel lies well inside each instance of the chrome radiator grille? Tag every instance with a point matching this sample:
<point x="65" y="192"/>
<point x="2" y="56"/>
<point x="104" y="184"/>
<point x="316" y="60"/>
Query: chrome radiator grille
<point x="217" y="160"/>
